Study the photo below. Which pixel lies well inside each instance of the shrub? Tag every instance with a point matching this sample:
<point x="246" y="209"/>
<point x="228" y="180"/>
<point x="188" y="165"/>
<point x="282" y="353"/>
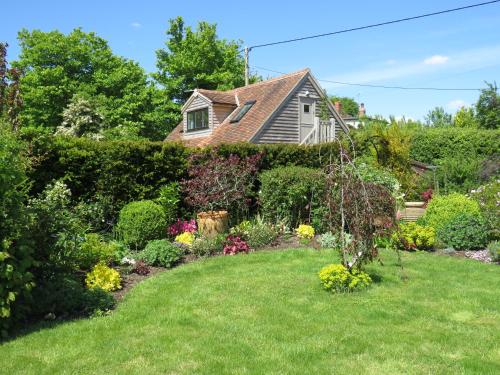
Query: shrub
<point x="140" y="222"/>
<point x="458" y="173"/>
<point x="182" y="226"/>
<point x="494" y="250"/>
<point x="103" y="277"/>
<point x="256" y="234"/>
<point x="235" y="245"/>
<point x="185" y="238"/>
<point x="465" y="231"/>
<point x="330" y="240"/>
<point x="220" y="183"/>
<point x="141" y="268"/>
<point x="383" y="177"/>
<point x="293" y="195"/>
<point x="95" y="250"/>
<point x="208" y="246"/>
<point x="15" y="253"/>
<point x="337" y="278"/>
<point x="65" y="295"/>
<point x="488" y="197"/>
<point x="161" y="253"/>
<point x="169" y="199"/>
<point x="305" y="232"/>
<point x="442" y="209"/>
<point x="412" y="236"/>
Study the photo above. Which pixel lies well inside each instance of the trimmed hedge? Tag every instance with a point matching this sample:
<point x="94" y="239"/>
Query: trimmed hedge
<point x="429" y="145"/>
<point x="135" y="170"/>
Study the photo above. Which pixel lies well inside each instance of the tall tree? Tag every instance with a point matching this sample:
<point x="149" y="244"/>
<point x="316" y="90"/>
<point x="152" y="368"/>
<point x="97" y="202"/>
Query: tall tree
<point x="11" y="101"/>
<point x="198" y="59"/>
<point x="349" y="105"/>
<point x="465" y="118"/>
<point x="438" y="118"/>
<point x="58" y="66"/>
<point x="488" y="107"/>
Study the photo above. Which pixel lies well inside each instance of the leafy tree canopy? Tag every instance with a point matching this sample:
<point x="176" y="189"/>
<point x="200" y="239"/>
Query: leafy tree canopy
<point x="58" y="66"/>
<point x="488" y="107"/>
<point x="465" y="118"/>
<point x="349" y="105"/>
<point x="198" y="59"/>
<point x="438" y="118"/>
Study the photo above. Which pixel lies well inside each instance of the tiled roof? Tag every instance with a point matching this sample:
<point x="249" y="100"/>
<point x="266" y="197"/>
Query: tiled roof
<point x="222" y="97"/>
<point x="268" y="96"/>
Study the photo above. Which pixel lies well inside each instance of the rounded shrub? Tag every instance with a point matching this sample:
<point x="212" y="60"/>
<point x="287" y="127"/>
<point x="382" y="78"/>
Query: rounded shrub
<point x="140" y="222"/>
<point x="443" y="209"/>
<point x="337" y="278"/>
<point x="103" y="277"/>
<point x="161" y="253"/>
<point x="465" y="231"/>
<point x="412" y="236"/>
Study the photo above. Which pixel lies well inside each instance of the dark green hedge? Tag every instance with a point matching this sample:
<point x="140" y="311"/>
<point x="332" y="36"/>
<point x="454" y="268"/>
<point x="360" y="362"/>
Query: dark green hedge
<point x="134" y="170"/>
<point x="429" y="145"/>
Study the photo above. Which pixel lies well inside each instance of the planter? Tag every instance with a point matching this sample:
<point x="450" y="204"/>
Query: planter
<point x="412" y="211"/>
<point x="212" y="223"/>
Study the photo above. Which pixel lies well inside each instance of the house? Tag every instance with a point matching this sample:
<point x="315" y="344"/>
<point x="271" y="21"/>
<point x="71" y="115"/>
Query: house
<point x="285" y="109"/>
<point x="349" y="120"/>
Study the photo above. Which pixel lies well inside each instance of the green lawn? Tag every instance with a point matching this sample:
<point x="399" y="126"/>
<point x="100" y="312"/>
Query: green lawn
<point x="265" y="313"/>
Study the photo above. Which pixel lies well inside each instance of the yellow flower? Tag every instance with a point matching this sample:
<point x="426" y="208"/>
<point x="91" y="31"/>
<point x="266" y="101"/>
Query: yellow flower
<point x="185" y="238"/>
<point x="305" y="231"/>
<point x="103" y="277"/>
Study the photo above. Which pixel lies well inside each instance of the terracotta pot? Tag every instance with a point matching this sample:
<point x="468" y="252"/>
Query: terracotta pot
<point x="212" y="223"/>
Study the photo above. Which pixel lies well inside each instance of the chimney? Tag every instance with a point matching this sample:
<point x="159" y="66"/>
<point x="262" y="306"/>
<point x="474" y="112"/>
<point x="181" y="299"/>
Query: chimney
<point x="362" y="110"/>
<point x="338" y="107"/>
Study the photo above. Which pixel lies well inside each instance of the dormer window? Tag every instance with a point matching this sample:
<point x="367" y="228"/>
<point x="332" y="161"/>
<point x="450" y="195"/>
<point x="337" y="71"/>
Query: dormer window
<point x="246" y="107"/>
<point x="197" y="120"/>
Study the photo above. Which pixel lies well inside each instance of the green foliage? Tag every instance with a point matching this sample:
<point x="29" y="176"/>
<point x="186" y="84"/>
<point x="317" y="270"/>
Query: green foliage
<point x="291" y="194"/>
<point x="337" y="278"/>
<point x="95" y="250"/>
<point x="412" y="236"/>
<point x="494" y="250"/>
<point x="109" y="174"/>
<point x="382" y="177"/>
<point x="103" y="277"/>
<point x="57" y="231"/>
<point x="81" y="118"/>
<point x="161" y="253"/>
<point x="443" y="209"/>
<point x="15" y="253"/>
<point x="465" y="118"/>
<point x="465" y="231"/>
<point x="438" y="118"/>
<point x="458" y="173"/>
<point x="257" y="234"/>
<point x="57" y="66"/>
<point x="66" y="296"/>
<point x="140" y="222"/>
<point x="430" y="145"/>
<point x="197" y="59"/>
<point x="349" y="105"/>
<point x="169" y="199"/>
<point x="331" y="240"/>
<point x="488" y="197"/>
<point x="204" y="246"/>
<point x="488" y="107"/>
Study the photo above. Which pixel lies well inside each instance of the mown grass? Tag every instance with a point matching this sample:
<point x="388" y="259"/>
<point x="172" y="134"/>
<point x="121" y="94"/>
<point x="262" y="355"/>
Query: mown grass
<point x="265" y="313"/>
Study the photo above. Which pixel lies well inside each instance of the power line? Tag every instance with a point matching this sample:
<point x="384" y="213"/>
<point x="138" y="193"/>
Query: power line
<point x="381" y="86"/>
<point x="375" y="25"/>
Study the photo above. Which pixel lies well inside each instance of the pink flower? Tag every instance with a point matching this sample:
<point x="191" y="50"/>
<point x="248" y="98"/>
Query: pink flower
<point x="182" y="226"/>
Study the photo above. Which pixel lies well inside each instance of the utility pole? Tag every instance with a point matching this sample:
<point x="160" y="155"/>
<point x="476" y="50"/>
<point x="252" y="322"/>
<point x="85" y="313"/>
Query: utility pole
<point x="247" y="50"/>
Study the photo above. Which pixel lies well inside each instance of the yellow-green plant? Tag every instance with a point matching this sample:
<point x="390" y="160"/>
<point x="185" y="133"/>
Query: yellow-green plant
<point x="412" y="236"/>
<point x="103" y="277"/>
<point x="337" y="278"/>
<point x="305" y="232"/>
<point x="185" y="238"/>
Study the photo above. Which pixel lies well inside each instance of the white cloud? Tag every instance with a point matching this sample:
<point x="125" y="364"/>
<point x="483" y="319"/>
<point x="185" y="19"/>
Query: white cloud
<point x="456" y="104"/>
<point x="136" y="25"/>
<point x="436" y="60"/>
<point x="476" y="58"/>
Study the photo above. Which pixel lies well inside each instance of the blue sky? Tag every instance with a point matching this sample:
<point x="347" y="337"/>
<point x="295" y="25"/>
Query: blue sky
<point x="455" y="50"/>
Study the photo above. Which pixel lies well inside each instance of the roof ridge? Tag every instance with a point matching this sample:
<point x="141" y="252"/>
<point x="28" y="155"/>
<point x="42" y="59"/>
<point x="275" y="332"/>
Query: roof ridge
<point x="271" y="80"/>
